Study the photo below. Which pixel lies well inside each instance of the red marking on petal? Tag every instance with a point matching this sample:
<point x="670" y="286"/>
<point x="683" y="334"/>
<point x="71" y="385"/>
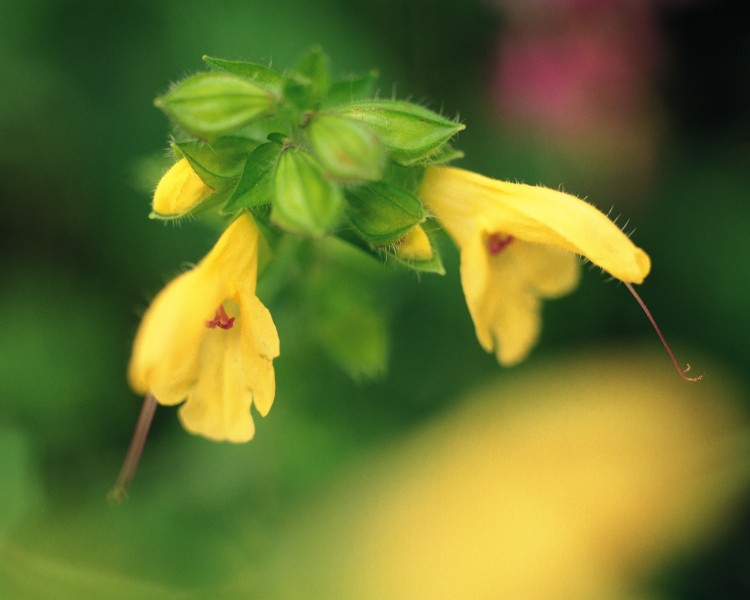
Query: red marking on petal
<point x="497" y="242"/>
<point x="221" y="319"/>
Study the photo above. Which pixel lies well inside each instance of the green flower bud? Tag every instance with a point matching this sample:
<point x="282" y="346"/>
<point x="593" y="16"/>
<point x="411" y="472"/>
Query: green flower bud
<point x="305" y="201"/>
<point x="210" y="104"/>
<point x="384" y="213"/>
<point x="348" y="151"/>
<point x="411" y="132"/>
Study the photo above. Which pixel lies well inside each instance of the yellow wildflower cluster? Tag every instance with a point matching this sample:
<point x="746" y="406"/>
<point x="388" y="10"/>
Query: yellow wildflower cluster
<point x="207" y="339"/>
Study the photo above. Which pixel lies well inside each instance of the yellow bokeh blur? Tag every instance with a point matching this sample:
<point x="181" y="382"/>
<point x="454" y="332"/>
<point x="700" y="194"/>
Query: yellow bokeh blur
<point x="574" y="480"/>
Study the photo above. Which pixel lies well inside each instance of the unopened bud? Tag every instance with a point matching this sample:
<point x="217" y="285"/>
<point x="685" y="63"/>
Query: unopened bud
<point x="179" y="191"/>
<point x="210" y="104"/>
<point x="384" y="213"/>
<point x="347" y="150"/>
<point x="414" y="246"/>
<point x="305" y="201"/>
<point x="411" y="132"/>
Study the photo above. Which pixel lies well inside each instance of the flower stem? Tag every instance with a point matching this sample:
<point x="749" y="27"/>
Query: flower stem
<point x="119" y="492"/>
<point x="677" y="367"/>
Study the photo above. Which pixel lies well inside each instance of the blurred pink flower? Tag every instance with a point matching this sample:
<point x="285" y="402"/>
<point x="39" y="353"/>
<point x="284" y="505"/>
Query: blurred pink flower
<point x="567" y="65"/>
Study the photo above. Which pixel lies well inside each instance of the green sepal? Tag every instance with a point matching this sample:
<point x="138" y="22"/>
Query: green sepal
<point x="305" y="202"/>
<point x="255" y="186"/>
<point x="348" y="151"/>
<point x="307" y="84"/>
<point x="407" y="178"/>
<point x="351" y="89"/>
<point x="383" y="213"/>
<point x="411" y="132"/>
<point x="434" y="264"/>
<point x="278" y="138"/>
<point x="446" y="154"/>
<point x="258" y="73"/>
<point x="219" y="163"/>
<point x="211" y="104"/>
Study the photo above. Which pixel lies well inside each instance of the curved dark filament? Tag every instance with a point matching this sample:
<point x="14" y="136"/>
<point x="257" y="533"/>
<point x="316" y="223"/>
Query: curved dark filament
<point x="682" y="372"/>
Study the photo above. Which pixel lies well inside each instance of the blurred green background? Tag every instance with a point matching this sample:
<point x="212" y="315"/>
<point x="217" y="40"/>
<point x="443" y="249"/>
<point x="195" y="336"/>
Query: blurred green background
<point x="641" y="107"/>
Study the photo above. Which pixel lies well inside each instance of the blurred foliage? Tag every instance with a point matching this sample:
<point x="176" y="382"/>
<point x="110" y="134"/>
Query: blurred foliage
<point x="80" y="259"/>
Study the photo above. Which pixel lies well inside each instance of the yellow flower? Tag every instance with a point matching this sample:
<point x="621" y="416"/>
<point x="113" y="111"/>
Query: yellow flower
<point x="209" y="340"/>
<point x="517" y="246"/>
<point x="179" y="191"/>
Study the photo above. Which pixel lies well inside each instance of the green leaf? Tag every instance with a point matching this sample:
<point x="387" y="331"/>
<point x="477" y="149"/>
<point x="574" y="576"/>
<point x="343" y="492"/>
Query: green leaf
<point x="347" y="310"/>
<point x="210" y="104"/>
<point x="411" y="132"/>
<point x="258" y="73"/>
<point x="352" y="89"/>
<point x="383" y="213"/>
<point x="219" y="163"/>
<point x="305" y="202"/>
<point x="348" y="151"/>
<point x="354" y="334"/>
<point x="256" y="184"/>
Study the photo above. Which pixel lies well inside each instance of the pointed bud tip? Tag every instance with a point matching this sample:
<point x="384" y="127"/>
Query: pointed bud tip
<point x="415" y="245"/>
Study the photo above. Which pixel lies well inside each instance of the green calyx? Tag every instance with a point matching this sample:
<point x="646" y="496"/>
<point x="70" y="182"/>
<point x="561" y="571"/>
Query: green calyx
<point x="384" y="213"/>
<point x="411" y="132"/>
<point x="212" y="104"/>
<point x="310" y="154"/>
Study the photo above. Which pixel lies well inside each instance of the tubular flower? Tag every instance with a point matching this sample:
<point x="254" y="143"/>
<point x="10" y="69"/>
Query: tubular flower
<point x="208" y="340"/>
<point x="518" y="245"/>
<point x="179" y="191"/>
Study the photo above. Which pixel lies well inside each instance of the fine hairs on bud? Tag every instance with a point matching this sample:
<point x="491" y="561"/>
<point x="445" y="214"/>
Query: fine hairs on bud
<point x="682" y="372"/>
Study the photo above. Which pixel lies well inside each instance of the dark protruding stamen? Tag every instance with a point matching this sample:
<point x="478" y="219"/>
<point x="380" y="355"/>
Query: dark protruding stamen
<point x="497" y="242"/>
<point x="221" y="319"/>
<point x="130" y="465"/>
<point x="677" y="367"/>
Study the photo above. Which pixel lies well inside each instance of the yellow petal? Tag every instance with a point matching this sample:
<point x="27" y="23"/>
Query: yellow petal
<point x="465" y="202"/>
<point x="218" y="405"/>
<point x="233" y="261"/>
<point x="166" y="347"/>
<point x="415" y="245"/>
<point x="175" y="352"/>
<point x="179" y="190"/>
<point x="260" y="345"/>
<point x="550" y="271"/>
<point x="504" y="308"/>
